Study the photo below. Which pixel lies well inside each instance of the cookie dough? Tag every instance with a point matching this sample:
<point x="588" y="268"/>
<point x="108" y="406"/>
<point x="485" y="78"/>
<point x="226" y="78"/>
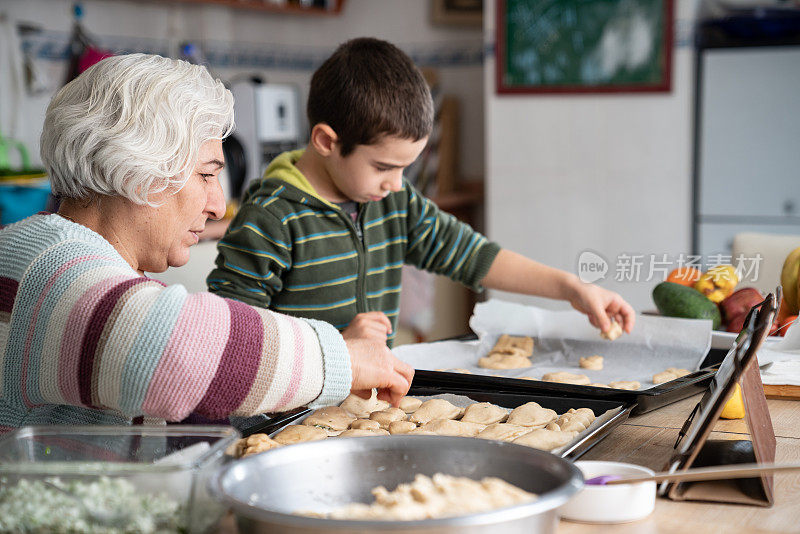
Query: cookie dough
<point x="332" y="419"/>
<point x="503" y="432"/>
<point x="670" y="374"/>
<point x="365" y="424"/>
<point x="387" y="416"/>
<point x="497" y="360"/>
<point x="625" y="384"/>
<point x="361" y="408"/>
<point x="435" y="409"/>
<point x="254" y="444"/>
<point x="522" y="345"/>
<point x="563" y="377"/>
<point x="435" y="497"/>
<point x="594" y="363"/>
<point x="613" y="332"/>
<point x="449" y="427"/>
<point x="484" y="413"/>
<point x="299" y="433"/>
<point x="545" y="440"/>
<point x="410" y="404"/>
<point x="401" y="427"/>
<point x="531" y="414"/>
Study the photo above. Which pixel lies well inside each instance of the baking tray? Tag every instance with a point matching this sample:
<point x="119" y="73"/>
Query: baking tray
<point x="643" y="400"/>
<point x="621" y="411"/>
<point x="558" y="403"/>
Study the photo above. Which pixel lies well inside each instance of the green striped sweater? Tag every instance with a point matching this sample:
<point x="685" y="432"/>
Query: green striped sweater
<point x="292" y="251"/>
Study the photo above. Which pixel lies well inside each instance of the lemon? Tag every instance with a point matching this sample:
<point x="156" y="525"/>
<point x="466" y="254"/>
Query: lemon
<point x="734" y="408"/>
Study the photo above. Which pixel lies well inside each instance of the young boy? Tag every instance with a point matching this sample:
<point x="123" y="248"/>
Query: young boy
<point x="324" y="235"/>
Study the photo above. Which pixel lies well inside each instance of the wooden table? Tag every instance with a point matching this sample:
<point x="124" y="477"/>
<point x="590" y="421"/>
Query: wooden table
<point x="648" y="439"/>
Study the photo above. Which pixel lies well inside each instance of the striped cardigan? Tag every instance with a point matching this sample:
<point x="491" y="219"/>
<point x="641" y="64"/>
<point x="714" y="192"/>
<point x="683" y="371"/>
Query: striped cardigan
<point x="290" y="250"/>
<point x="84" y="339"/>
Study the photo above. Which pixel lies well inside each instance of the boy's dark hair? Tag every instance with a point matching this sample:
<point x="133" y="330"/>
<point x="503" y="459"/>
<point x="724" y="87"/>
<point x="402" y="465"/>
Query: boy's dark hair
<point x="367" y="89"/>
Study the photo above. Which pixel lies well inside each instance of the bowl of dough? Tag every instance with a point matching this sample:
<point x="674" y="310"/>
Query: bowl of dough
<point x="398" y="483"/>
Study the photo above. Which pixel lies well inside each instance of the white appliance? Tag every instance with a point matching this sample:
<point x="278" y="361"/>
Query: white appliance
<point x="267" y="122"/>
<point x="748" y="162"/>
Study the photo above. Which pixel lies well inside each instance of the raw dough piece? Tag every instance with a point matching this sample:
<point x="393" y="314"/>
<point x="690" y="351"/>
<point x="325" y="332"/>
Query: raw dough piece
<point x="503" y="431"/>
<point x="299" y="433"/>
<point x="435" y="409"/>
<point x="613" y="333"/>
<point x="484" y="413"/>
<point x="506" y="344"/>
<point x="332" y="419"/>
<point x="358" y="432"/>
<point x="389" y="415"/>
<point x="361" y="408"/>
<point x="449" y="427"/>
<point x="435" y="497"/>
<point x="670" y="374"/>
<point x="563" y="377"/>
<point x="625" y="384"/>
<point x="595" y="363"/>
<point x="598" y="385"/>
<point x="401" y="427"/>
<point x="531" y="414"/>
<point x="254" y="444"/>
<point x="410" y="404"/>
<point x="545" y="440"/>
<point x="365" y="424"/>
<point x="504" y="361"/>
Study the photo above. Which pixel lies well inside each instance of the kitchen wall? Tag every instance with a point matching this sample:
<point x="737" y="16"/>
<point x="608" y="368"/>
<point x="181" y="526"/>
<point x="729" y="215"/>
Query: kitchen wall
<point x="283" y="48"/>
<point x="604" y="173"/>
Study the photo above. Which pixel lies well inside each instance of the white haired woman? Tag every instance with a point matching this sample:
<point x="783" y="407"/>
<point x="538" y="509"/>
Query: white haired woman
<point x="133" y="148"/>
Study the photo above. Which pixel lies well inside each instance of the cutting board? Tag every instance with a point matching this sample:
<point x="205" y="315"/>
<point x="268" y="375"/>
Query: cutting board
<point x="785" y="392"/>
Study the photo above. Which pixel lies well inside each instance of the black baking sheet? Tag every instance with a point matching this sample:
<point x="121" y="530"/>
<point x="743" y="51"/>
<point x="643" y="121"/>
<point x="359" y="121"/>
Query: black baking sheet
<point x="643" y="400"/>
<point x="558" y="403"/>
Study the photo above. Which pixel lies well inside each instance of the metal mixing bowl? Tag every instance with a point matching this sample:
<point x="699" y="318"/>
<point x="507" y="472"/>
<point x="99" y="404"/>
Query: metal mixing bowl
<point x="264" y="490"/>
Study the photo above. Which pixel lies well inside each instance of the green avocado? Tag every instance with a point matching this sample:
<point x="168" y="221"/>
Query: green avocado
<point x="676" y="300"/>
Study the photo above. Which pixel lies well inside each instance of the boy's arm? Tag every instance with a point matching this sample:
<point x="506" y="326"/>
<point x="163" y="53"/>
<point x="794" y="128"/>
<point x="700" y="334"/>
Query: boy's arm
<point x="251" y="258"/>
<point x="440" y="243"/>
<point x="516" y="273"/>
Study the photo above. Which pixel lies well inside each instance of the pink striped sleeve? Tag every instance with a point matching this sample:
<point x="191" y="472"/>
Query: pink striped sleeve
<point x="191" y="358"/>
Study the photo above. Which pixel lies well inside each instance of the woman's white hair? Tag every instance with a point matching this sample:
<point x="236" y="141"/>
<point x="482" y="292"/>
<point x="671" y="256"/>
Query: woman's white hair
<point x="132" y="125"/>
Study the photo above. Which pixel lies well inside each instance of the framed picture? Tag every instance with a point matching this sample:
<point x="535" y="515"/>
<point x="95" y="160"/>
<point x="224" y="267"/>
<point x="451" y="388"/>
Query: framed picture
<point x="575" y="46"/>
<point x="457" y="12"/>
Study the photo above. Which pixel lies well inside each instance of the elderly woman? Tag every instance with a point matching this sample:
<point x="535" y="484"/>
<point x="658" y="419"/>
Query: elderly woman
<point x="133" y="147"/>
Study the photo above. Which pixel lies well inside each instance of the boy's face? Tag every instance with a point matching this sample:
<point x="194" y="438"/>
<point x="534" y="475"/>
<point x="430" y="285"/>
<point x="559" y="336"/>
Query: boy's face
<point x="370" y="172"/>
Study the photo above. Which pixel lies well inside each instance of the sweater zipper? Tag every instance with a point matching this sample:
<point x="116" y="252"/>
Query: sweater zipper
<point x="361" y="259"/>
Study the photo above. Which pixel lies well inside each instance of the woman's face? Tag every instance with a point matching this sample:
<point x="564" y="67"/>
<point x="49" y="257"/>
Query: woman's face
<point x="174" y="225"/>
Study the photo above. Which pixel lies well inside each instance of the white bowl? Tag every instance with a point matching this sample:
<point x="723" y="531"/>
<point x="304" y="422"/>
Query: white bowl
<point x="616" y="503"/>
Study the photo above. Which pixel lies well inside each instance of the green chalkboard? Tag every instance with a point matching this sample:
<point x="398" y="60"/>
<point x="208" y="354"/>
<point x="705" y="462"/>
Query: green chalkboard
<point x="583" y="45"/>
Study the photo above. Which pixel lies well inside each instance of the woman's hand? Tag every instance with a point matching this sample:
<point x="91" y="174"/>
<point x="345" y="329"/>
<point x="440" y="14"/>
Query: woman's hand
<point x="374" y="366"/>
<point x="601" y="306"/>
<point x="369" y="325"/>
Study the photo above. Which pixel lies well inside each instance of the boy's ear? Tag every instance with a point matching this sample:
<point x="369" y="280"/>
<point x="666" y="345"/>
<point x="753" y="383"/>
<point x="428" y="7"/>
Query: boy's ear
<point x="323" y="139"/>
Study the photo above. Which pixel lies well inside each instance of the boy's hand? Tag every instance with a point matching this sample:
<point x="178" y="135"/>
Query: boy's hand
<point x="374" y="366"/>
<point x="602" y="305"/>
<point x="370" y="325"/>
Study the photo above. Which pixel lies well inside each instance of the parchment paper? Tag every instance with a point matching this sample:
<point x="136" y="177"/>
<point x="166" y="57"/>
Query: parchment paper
<point x="562" y="337"/>
<point x="780" y="361"/>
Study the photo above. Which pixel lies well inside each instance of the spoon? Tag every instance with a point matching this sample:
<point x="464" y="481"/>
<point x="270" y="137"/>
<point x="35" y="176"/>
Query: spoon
<point x="704" y="473"/>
